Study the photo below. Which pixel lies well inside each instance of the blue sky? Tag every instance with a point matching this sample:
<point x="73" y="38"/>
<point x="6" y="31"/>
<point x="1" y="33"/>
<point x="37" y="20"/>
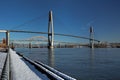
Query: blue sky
<point x="70" y="17"/>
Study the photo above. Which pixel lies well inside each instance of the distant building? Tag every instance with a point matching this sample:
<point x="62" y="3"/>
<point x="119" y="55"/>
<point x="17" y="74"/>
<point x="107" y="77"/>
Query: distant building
<point x="3" y="44"/>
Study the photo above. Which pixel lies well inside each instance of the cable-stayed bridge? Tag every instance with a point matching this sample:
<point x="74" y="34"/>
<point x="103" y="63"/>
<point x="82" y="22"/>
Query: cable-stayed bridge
<point x="41" y="39"/>
<point x="50" y="40"/>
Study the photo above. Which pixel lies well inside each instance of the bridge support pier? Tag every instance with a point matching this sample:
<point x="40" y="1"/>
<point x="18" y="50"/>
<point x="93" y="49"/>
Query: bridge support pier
<point x="91" y="37"/>
<point x="30" y="45"/>
<point x="12" y="46"/>
<point x="7" y="40"/>
<point x="50" y="31"/>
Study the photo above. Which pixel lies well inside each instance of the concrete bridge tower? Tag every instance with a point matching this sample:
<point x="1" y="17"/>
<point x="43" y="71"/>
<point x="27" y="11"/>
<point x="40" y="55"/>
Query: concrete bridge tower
<point x="91" y="37"/>
<point x="50" y="31"/>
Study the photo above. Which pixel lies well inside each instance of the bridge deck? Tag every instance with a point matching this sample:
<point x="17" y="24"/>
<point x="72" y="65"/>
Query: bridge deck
<point x="2" y="61"/>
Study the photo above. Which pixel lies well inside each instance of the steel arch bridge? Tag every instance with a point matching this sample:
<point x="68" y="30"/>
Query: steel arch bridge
<point x="38" y="41"/>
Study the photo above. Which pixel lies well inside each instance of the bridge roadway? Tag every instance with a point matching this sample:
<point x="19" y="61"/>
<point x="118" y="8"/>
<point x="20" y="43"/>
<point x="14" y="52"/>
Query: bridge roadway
<point x="54" y="34"/>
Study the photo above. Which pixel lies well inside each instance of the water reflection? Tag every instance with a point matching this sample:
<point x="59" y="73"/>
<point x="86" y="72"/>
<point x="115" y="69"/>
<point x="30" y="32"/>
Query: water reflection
<point x="92" y="62"/>
<point x="92" y="56"/>
<point x="51" y="56"/>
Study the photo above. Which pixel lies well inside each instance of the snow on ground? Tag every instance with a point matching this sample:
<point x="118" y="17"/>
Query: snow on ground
<point x="2" y="61"/>
<point x="22" y="70"/>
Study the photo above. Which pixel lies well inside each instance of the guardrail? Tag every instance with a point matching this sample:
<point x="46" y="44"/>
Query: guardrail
<point x="66" y="77"/>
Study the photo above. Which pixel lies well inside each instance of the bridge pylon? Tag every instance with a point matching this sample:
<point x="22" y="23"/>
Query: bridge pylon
<point x="91" y="37"/>
<point x="50" y="31"/>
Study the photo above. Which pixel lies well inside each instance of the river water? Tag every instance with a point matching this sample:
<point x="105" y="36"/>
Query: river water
<point x="80" y="63"/>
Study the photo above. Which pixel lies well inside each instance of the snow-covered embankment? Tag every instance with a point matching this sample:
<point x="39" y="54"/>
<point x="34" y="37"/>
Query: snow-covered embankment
<point x="22" y="70"/>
